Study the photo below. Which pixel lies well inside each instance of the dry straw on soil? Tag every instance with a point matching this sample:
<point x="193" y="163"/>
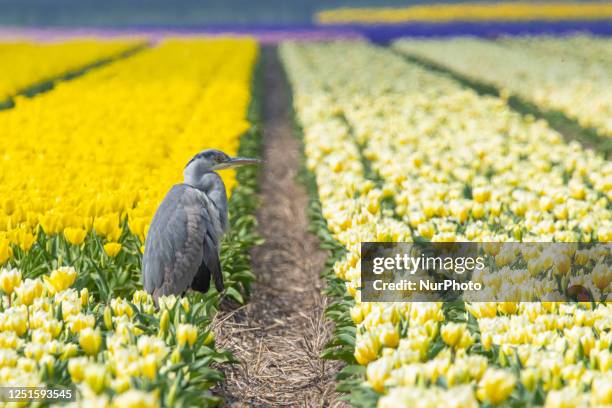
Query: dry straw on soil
<point x="279" y="335"/>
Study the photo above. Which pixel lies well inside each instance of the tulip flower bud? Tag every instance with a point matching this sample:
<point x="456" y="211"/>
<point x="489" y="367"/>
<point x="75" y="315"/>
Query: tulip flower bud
<point x="84" y="297"/>
<point x="108" y="318"/>
<point x="210" y="337"/>
<point x="175" y="357"/>
<point x="163" y="323"/>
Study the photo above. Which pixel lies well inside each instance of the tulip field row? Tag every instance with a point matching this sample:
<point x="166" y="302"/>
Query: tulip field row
<point x="26" y="64"/>
<point x="83" y="168"/>
<point x="466" y="12"/>
<point x="400" y="153"/>
<point x="572" y="76"/>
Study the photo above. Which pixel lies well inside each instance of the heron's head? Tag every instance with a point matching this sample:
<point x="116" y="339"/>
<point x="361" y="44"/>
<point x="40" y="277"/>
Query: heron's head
<point x="211" y="160"/>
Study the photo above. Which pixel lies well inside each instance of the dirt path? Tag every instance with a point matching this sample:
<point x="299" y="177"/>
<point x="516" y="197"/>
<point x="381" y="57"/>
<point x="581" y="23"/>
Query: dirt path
<point x="280" y="334"/>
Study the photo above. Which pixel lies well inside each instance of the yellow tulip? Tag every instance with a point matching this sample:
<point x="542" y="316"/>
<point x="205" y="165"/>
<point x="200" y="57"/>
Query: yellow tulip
<point x="5" y="250"/>
<point x="102" y="226"/>
<point x="478" y="211"/>
<point x="148" y="366"/>
<point x="29" y="290"/>
<point x="75" y="236"/>
<point x="25" y="239"/>
<point x="60" y="279"/>
<point x="186" y="334"/>
<point x="482" y="309"/>
<point x="389" y="336"/>
<point x="495" y="386"/>
<point x="507" y="307"/>
<point x="601" y="276"/>
<point x="366" y="348"/>
<point x="481" y="194"/>
<point x="50" y="224"/>
<point x="9" y="280"/>
<point x="18" y="323"/>
<point x="77" y="322"/>
<point x="426" y="230"/>
<point x="356" y="314"/>
<point x="121" y="384"/>
<point x="452" y="333"/>
<point x="76" y="368"/>
<point x="96" y="377"/>
<point x="90" y="340"/>
<point x="112" y="249"/>
<point x="377" y="372"/>
<point x="604" y="234"/>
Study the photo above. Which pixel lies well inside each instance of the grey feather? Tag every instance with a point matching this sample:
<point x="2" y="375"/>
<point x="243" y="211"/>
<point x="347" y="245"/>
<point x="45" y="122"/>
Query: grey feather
<point x="185" y="233"/>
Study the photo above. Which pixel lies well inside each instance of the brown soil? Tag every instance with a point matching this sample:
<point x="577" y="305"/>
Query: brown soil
<point x="279" y="335"/>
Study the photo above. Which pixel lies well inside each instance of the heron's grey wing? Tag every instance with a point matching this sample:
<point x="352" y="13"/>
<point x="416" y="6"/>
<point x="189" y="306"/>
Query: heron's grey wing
<point x="173" y="249"/>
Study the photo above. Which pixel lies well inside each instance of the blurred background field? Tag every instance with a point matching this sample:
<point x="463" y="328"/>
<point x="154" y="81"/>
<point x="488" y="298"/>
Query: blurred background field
<point x="178" y="12"/>
<point x="269" y="19"/>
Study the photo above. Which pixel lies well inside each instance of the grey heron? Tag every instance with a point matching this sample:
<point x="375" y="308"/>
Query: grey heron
<point x="184" y="238"/>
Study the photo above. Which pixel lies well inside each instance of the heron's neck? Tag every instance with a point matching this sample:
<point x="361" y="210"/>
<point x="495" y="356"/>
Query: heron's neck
<point x="212" y="185"/>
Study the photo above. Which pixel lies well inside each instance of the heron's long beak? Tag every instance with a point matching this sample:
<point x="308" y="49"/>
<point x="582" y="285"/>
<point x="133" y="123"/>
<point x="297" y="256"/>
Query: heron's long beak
<point x="236" y="161"/>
